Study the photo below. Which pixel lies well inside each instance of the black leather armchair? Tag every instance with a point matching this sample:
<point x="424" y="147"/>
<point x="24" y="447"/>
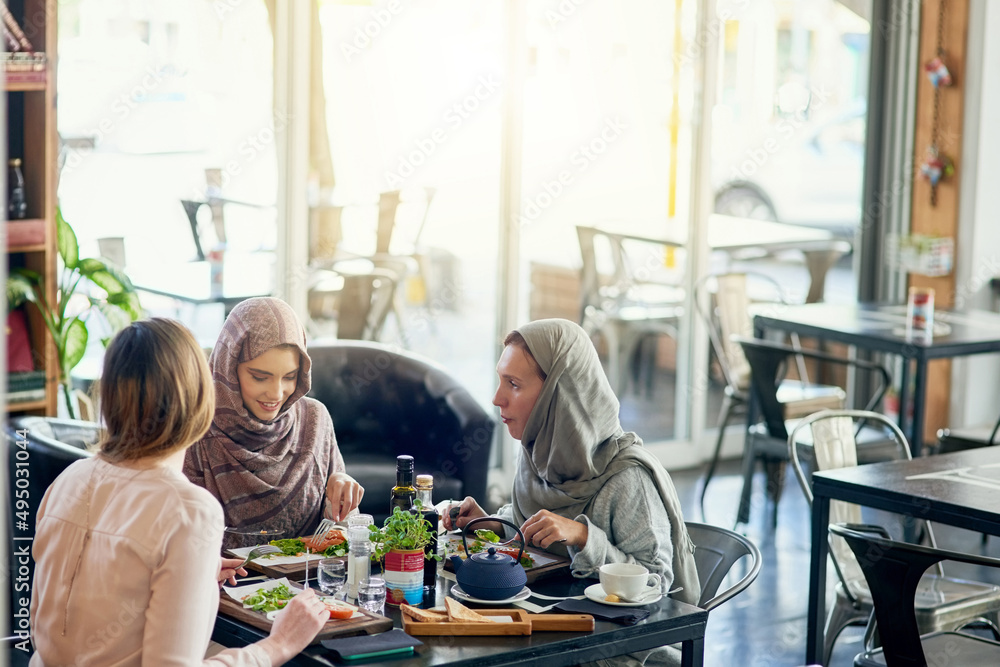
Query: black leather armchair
<point x="43" y="447"/>
<point x="386" y="402"/>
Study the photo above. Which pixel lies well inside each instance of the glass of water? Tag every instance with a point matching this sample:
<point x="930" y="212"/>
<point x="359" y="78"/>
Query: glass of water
<point x="332" y="575"/>
<point x="371" y="594"/>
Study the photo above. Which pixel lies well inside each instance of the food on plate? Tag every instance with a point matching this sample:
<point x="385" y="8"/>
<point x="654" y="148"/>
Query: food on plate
<point x="511" y="549"/>
<point x="339" y="609"/>
<point x="611" y="597"/>
<point x="332" y="538"/>
<point x="487" y="536"/>
<point x="270" y="599"/>
<point x="423" y="615"/>
<point x="331" y="546"/>
<point x="458" y="612"/>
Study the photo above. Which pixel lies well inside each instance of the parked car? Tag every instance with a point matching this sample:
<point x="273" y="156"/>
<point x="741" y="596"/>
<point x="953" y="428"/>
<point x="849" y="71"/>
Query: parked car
<point x="799" y="172"/>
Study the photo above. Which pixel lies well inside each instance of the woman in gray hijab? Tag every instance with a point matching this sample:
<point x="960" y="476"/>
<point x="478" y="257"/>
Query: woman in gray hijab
<point x="583" y="486"/>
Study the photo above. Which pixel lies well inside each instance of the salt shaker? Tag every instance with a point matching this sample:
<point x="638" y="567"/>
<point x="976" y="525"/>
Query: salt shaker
<point x="358" y="555"/>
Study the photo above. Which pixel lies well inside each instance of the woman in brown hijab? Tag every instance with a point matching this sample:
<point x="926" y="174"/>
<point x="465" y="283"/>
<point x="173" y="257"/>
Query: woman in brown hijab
<point x="270" y="456"/>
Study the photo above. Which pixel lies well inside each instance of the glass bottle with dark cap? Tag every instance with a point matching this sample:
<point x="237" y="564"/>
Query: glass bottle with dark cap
<point x="403" y="494"/>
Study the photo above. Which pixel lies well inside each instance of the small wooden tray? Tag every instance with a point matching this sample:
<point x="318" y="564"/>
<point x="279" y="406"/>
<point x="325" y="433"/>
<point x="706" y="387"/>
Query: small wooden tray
<point x="519" y="626"/>
<point x="369" y="625"/>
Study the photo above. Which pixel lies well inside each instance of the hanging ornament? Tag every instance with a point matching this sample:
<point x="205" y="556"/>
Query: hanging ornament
<point x="936" y="165"/>
<point x="938" y="72"/>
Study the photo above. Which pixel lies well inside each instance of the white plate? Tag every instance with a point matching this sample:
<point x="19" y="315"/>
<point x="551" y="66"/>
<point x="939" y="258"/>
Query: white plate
<point x="596" y="593"/>
<point x="457" y="592"/>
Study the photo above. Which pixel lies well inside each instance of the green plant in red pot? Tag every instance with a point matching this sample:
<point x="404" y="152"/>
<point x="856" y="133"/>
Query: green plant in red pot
<point x="399" y="545"/>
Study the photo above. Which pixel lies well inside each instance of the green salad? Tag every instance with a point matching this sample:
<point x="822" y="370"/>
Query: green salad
<point x="269" y="600"/>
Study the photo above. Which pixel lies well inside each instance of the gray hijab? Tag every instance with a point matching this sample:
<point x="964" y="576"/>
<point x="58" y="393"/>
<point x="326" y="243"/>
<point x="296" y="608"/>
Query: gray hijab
<point x="573" y="442"/>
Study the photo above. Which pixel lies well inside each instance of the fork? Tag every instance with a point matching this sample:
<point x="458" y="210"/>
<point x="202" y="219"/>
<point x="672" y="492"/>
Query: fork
<point x="257" y="552"/>
<point x="325" y="526"/>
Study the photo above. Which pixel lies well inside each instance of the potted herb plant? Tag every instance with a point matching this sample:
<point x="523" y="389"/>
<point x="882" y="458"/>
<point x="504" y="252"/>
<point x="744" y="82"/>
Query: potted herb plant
<point x="399" y="545"/>
<point x="86" y="290"/>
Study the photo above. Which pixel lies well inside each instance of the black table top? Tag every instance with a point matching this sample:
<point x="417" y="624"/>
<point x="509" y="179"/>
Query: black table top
<point x="960" y="489"/>
<point x="882" y="328"/>
<point x="670" y="622"/>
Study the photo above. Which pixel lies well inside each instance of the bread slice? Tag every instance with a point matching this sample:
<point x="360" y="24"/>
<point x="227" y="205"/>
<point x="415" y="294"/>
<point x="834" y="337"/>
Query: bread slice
<point x="423" y="615"/>
<point x="457" y="612"/>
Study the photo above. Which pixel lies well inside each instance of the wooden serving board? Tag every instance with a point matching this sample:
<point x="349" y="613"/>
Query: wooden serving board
<point x="520" y="625"/>
<point x="369" y="624"/>
<point x="547" y="563"/>
<point x="293" y="571"/>
<point x="561" y="622"/>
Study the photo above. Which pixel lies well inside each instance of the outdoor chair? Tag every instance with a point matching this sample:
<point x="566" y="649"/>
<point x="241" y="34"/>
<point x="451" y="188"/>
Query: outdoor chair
<point x="895" y="574"/>
<point x="767" y="437"/>
<point x="716" y="551"/>
<point x="723" y="301"/>
<point x="618" y="306"/>
<point x="829" y="440"/>
<point x="958" y="439"/>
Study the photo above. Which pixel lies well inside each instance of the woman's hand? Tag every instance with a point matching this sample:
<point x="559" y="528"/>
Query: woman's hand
<point x="467" y="511"/>
<point x="228" y="570"/>
<point x="295" y="626"/>
<point x="543" y="529"/>
<point x="343" y="493"/>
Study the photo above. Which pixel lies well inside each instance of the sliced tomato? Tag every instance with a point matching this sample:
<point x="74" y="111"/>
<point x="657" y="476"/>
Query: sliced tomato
<point x="339" y="609"/>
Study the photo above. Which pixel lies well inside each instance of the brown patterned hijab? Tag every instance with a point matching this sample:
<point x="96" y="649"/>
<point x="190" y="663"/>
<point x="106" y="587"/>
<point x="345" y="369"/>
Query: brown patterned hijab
<point x="267" y="475"/>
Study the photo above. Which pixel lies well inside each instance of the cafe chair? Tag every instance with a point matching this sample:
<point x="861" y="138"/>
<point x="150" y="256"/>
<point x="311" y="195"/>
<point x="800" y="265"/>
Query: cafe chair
<point x="385" y="402"/>
<point x="619" y="307"/>
<point x="767" y="436"/>
<point x="895" y="572"/>
<point x="723" y="302"/>
<point x="830" y="440"/>
<point x="716" y="551"/>
<point x="358" y="303"/>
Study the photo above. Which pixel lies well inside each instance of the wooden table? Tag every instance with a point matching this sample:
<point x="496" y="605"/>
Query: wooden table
<point x="882" y="328"/>
<point x="960" y="489"/>
<point x="670" y="622"/>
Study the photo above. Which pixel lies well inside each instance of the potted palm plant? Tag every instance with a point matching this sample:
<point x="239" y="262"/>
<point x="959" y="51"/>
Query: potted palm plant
<point x="87" y="290"/>
<point x="399" y="544"/>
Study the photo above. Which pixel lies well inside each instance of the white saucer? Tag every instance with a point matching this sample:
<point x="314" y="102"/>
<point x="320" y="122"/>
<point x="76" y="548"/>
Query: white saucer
<point x="457" y="592"/>
<point x="596" y="593"/>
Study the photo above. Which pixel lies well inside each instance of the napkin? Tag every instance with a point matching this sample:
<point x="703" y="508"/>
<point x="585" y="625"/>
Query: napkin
<point x="624" y="615"/>
<point x="366" y="646"/>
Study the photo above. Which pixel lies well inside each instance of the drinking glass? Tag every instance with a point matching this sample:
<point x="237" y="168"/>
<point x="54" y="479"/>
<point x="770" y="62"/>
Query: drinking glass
<point x="371" y="594"/>
<point x="332" y="575"/>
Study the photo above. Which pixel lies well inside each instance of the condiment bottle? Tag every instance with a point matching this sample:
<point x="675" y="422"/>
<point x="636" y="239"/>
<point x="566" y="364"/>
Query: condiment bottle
<point x="425" y="488"/>
<point x="403" y="494"/>
<point x="358" y="557"/>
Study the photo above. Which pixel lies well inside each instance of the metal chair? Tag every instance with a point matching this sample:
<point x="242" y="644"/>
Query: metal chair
<point x="358" y="303"/>
<point x="958" y="439"/>
<point x="617" y="306"/>
<point x="723" y="301"/>
<point x="767" y="438"/>
<point x="830" y="440"/>
<point x="894" y="572"/>
<point x="716" y="551"/>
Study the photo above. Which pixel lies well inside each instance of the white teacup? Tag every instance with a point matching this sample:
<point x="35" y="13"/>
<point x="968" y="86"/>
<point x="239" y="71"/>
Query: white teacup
<point x="628" y="580"/>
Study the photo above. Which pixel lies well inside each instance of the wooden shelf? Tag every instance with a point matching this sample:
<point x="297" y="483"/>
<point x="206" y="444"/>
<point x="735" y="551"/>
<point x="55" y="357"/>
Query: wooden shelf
<point x="24" y="86"/>
<point x="27" y="406"/>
